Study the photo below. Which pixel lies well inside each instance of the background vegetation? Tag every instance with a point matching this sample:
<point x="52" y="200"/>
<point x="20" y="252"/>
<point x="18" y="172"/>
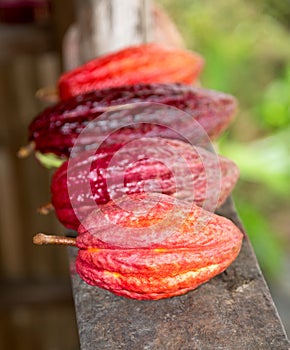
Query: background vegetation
<point x="246" y="48"/>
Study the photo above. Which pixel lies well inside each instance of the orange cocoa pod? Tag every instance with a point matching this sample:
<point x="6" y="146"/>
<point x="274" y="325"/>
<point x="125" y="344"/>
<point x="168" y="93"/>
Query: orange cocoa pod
<point x="147" y="63"/>
<point x="135" y="247"/>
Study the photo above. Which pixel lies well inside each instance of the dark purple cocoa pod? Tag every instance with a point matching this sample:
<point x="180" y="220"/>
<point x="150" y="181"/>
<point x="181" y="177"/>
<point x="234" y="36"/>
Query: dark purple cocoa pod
<point x="56" y="129"/>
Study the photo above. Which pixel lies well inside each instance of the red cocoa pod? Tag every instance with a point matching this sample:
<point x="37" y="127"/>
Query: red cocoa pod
<point x="56" y="129"/>
<point x="138" y="254"/>
<point x="147" y="63"/>
<point x="156" y="164"/>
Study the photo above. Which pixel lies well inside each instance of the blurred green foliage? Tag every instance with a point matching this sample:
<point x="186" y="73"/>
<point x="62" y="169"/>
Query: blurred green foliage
<point x="246" y="48"/>
<point x="274" y="108"/>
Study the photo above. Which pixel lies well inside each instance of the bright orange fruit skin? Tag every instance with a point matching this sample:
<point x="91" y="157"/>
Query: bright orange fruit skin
<point x="146" y="63"/>
<point x="173" y="262"/>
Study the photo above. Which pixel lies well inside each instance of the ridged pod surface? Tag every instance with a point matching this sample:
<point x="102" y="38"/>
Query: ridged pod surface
<point x="174" y="263"/>
<point x="156" y="164"/>
<point x="57" y="128"/>
<point x="147" y="63"/>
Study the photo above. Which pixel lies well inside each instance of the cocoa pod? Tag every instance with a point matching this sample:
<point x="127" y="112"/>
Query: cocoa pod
<point x="147" y="63"/>
<point x="155" y="164"/>
<point x="117" y="252"/>
<point x="57" y="128"/>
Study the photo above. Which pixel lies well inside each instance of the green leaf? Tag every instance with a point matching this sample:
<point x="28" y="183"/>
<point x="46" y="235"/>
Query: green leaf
<point x="266" y="161"/>
<point x="49" y="160"/>
<point x="268" y="248"/>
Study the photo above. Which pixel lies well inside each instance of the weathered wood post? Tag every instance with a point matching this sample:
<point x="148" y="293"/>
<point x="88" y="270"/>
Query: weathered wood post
<point x="111" y="24"/>
<point x="106" y="25"/>
<point x="233" y="311"/>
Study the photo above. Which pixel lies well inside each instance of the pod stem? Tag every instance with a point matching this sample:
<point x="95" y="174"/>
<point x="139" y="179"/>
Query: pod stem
<point x="41" y="239"/>
<point x="46" y="209"/>
<point x="25" y="151"/>
<point x="47" y="94"/>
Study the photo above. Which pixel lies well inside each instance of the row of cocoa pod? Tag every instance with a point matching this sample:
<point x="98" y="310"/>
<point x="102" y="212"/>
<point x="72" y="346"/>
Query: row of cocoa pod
<point x="137" y="176"/>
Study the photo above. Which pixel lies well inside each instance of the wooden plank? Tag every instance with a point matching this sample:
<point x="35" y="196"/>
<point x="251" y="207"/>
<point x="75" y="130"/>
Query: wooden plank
<point x="24" y="185"/>
<point x="12" y="257"/>
<point x="36" y="311"/>
<point x="31" y="292"/>
<point x="47" y="326"/>
<point x="29" y="38"/>
<point x="232" y="311"/>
